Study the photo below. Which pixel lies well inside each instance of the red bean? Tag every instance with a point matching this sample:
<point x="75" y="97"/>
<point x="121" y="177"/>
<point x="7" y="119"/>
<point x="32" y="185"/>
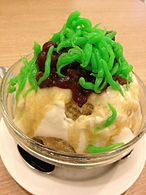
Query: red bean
<point x="41" y="60"/>
<point x="47" y="45"/>
<point x="121" y="80"/>
<point x="54" y="58"/>
<point x="39" y="75"/>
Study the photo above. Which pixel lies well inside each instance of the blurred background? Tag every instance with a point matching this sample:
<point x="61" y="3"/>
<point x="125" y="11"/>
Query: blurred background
<point x="23" y="22"/>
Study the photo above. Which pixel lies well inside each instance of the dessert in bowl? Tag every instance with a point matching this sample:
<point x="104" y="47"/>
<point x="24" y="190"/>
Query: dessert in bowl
<point x="75" y="101"/>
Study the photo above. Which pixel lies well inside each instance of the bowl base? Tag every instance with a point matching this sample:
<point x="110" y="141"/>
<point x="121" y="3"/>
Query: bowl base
<point x="66" y="173"/>
<point x="115" y="181"/>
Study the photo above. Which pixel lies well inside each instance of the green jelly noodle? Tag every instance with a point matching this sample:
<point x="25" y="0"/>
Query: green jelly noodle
<point x="92" y="47"/>
<point x="109" y="121"/>
<point x="94" y="149"/>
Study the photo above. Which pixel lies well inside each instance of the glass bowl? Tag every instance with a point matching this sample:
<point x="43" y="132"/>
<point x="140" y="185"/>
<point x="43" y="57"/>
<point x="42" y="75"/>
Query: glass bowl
<point x="61" y="158"/>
